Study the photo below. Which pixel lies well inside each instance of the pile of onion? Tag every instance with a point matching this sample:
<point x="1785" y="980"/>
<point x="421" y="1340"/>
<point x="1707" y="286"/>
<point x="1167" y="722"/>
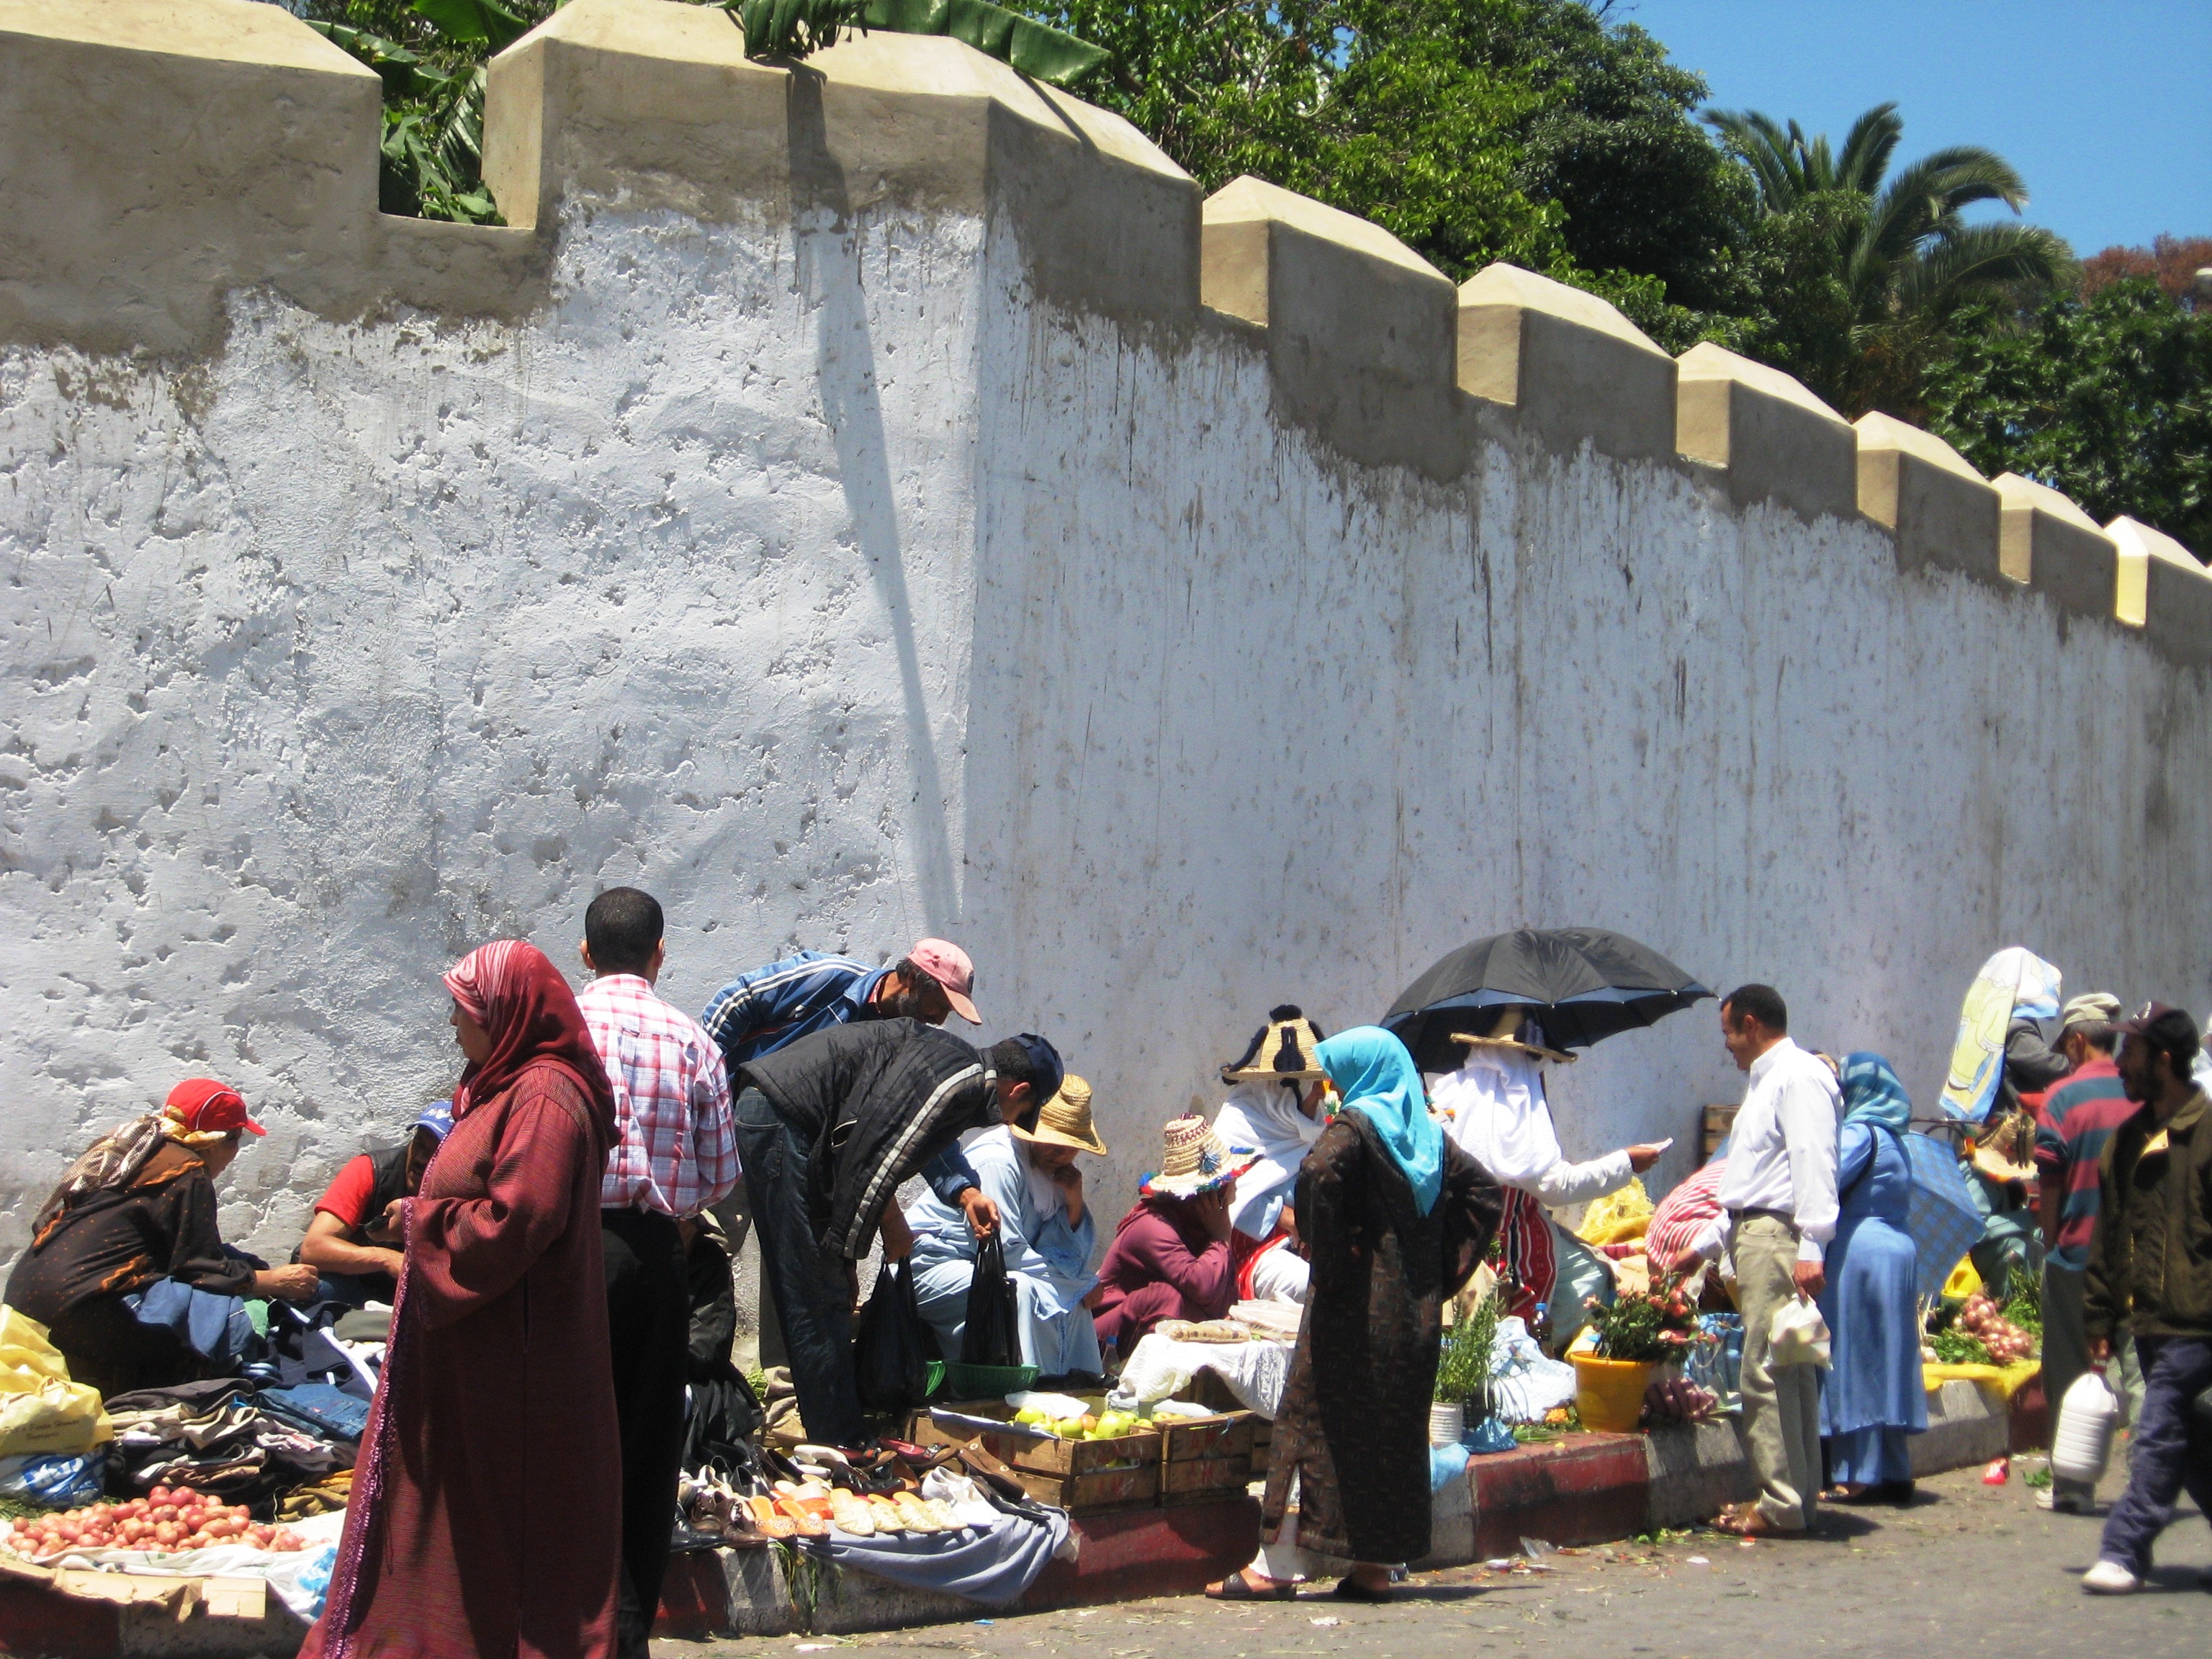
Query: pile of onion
<point x="2005" y="1340"/>
<point x="166" y="1518"/>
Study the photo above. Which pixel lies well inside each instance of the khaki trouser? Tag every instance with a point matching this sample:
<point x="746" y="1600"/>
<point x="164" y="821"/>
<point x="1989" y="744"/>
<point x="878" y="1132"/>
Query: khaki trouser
<point x="1781" y="1404"/>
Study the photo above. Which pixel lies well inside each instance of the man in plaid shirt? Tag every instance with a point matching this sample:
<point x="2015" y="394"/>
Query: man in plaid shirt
<point x="677" y="1154"/>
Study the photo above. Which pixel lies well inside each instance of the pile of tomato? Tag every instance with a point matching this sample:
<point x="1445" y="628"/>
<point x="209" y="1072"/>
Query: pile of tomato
<point x="166" y="1518"/>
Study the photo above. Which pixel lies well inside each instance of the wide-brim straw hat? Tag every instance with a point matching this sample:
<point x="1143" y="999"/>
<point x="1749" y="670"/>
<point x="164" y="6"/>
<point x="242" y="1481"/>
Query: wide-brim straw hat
<point x="1282" y="1051"/>
<point x="1064" y="1120"/>
<point x="1505" y="1035"/>
<point x="1194" y="1159"/>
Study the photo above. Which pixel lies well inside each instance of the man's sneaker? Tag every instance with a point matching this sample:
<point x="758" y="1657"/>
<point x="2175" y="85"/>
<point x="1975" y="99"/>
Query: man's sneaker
<point x="2063" y="1503"/>
<point x="2109" y="1578"/>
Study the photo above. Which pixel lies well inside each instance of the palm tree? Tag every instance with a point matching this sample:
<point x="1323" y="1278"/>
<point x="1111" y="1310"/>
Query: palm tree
<point x="1895" y="254"/>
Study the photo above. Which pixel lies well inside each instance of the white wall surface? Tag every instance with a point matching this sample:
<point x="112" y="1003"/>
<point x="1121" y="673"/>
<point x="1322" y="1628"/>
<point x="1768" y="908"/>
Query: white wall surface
<point x="826" y="587"/>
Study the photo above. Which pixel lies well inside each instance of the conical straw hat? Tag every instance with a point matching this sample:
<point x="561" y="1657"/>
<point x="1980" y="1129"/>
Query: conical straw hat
<point x="1064" y="1120"/>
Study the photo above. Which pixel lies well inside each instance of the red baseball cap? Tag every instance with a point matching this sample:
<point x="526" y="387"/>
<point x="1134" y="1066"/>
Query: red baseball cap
<point x="200" y="1105"/>
<point x="948" y="964"/>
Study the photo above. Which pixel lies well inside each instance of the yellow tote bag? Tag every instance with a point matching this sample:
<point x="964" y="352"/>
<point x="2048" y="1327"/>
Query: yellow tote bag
<point x="41" y="1410"/>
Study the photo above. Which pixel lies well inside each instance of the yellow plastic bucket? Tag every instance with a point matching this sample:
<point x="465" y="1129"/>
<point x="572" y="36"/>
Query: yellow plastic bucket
<point x="1609" y="1393"/>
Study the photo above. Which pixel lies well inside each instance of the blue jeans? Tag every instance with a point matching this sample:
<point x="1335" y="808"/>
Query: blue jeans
<point x="2169" y="1451"/>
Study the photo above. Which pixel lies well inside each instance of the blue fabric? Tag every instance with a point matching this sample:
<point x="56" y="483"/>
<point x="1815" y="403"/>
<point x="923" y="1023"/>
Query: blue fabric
<point x="1867" y="1457"/>
<point x="325" y="1412"/>
<point x="1491" y="1435"/>
<point x="1940" y="1219"/>
<point x="1049" y="1259"/>
<point x="1872" y="1093"/>
<point x="1378" y="1080"/>
<point x="215" y="1328"/>
<point x="1873" y="1379"/>
<point x="1446" y="1464"/>
<point x="993" y="1566"/>
<point x="771" y="1008"/>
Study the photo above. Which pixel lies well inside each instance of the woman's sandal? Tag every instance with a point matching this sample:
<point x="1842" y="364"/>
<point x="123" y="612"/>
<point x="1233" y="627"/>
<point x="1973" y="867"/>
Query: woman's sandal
<point x="1239" y="1587"/>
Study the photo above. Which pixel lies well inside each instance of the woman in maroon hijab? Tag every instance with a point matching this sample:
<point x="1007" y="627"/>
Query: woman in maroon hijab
<point x="485" y="1503"/>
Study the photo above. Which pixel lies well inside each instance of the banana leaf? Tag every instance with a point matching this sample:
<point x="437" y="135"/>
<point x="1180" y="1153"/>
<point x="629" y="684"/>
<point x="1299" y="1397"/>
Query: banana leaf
<point x="1035" y="49"/>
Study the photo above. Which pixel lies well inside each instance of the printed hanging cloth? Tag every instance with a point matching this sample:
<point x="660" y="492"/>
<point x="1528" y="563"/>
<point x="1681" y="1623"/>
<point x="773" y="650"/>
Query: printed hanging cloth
<point x="2013" y="985"/>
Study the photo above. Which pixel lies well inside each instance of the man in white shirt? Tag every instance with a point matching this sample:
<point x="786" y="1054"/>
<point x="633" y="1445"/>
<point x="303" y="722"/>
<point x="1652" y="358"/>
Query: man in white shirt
<point x="1778" y="1213"/>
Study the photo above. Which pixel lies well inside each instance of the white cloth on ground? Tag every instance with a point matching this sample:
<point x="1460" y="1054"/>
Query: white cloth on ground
<point x="1495" y="1109"/>
<point x="1262" y="1116"/>
<point x="1524" y="1383"/>
<point x="1781" y="1150"/>
<point x="1159" y="1368"/>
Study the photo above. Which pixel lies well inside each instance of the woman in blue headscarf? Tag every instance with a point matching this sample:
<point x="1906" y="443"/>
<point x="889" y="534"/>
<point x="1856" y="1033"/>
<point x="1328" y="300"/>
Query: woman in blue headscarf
<point x="1395" y="1219"/>
<point x="1872" y="1397"/>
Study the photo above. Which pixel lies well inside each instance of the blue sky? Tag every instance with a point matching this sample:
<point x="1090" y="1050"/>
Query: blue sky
<point x="2104" y="105"/>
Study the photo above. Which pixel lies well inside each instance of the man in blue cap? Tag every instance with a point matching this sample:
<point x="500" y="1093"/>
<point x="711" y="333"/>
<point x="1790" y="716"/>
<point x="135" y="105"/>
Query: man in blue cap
<point x="347" y="1242"/>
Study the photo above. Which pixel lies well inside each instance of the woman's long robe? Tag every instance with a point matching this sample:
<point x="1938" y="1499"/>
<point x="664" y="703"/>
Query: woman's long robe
<point x="1874" y="1380"/>
<point x="485" y="1520"/>
<point x="1353" y="1428"/>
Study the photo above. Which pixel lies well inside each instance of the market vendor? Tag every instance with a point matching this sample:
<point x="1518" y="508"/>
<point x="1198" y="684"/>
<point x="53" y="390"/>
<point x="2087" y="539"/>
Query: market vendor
<point x="1495" y="1110"/>
<point x="348" y="1239"/>
<point x="828" y="1128"/>
<point x="1046" y="1230"/>
<point x="125" y="1253"/>
<point x="1272" y="1113"/>
<point x="1173" y="1255"/>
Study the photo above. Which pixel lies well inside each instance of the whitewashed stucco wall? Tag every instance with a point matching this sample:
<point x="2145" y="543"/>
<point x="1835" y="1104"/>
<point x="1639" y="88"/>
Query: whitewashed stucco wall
<point x="834" y="589"/>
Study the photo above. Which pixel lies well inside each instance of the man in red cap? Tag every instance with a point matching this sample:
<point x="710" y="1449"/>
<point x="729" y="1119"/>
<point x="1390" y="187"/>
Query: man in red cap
<point x="2150" y="1272"/>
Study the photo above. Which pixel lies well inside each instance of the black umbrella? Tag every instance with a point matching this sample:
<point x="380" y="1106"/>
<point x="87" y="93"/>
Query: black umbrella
<point x="1583" y="982"/>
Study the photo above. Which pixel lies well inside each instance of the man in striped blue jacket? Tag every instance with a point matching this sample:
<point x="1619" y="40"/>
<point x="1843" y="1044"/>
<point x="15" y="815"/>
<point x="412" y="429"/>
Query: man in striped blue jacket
<point x="758" y="1012"/>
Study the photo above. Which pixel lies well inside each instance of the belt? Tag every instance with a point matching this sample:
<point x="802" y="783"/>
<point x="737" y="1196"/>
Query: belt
<point x="1785" y="1218"/>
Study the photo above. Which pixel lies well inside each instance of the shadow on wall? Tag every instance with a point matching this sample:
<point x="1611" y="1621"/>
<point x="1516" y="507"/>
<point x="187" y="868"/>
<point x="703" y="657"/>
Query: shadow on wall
<point x="829" y="272"/>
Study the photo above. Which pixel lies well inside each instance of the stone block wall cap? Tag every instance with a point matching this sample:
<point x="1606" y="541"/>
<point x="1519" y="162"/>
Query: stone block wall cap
<point x="1501" y="284"/>
<point x="1247" y="200"/>
<point x="1707" y="362"/>
<point x="1879" y="431"/>
<point x="2139" y="540"/>
<point x="2015" y="491"/>
<point x="237" y="31"/>
<point x="917" y="65"/>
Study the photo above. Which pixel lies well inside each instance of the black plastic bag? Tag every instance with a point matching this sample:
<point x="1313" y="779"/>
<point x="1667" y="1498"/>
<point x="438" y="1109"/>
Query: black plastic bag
<point x="994" y="1333"/>
<point x="892" y="1348"/>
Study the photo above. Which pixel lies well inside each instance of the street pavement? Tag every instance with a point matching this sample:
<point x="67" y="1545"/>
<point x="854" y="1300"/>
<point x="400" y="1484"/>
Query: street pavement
<point x="1968" y="1569"/>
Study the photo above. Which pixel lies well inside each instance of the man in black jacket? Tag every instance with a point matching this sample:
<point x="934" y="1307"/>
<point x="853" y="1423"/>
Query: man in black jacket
<point x="828" y="1127"/>
<point x="2150" y="1273"/>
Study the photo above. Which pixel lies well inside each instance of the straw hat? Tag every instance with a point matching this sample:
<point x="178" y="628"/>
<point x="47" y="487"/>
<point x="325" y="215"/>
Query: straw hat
<point x="1064" y="1120"/>
<point x="1194" y="1160"/>
<point x="1506" y="1034"/>
<point x="1281" y="1050"/>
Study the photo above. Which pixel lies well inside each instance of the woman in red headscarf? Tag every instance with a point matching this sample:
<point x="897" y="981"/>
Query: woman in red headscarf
<point x="485" y="1508"/>
<point x="138" y="1208"/>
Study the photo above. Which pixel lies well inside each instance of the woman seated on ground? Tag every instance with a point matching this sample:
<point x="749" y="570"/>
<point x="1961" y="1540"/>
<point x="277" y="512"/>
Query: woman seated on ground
<point x="1046" y="1231"/>
<point x="351" y="1241"/>
<point x="136" y="1211"/>
<point x="1172" y="1257"/>
<point x="1272" y="1113"/>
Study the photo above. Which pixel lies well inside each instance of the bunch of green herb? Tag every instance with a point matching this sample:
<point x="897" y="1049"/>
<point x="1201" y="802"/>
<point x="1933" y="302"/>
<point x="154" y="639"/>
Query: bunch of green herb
<point x="2024" y="1307"/>
<point x="1955" y="1347"/>
<point x="1463" y="1368"/>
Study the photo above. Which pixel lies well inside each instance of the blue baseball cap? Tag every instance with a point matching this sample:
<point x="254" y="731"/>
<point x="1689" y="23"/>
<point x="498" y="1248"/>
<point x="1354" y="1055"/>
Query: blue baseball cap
<point x="437" y="1117"/>
<point x="1044" y="1059"/>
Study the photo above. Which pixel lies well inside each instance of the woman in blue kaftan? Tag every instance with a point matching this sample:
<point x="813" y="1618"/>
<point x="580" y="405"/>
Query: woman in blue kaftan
<point x="1872" y="1396"/>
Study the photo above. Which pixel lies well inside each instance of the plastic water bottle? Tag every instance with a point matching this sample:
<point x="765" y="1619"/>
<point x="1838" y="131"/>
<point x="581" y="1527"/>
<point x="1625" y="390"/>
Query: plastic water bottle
<point x="2083" y="1442"/>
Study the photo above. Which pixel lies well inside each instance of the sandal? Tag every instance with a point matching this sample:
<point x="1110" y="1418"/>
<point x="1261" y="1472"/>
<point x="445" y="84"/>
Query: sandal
<point x="1351" y="1589"/>
<point x="1239" y="1587"/>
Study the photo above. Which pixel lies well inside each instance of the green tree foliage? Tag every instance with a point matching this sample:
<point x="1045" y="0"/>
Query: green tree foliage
<point x="2108" y="399"/>
<point x="1872" y="268"/>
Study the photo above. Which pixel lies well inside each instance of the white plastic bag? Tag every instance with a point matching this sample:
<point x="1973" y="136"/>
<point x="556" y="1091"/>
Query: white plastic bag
<point x="1798" y="1336"/>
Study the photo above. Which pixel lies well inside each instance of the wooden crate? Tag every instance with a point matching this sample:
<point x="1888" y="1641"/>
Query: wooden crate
<point x="1083" y="1477"/>
<point x="1263" y="1442"/>
<point x="1201" y="1479"/>
<point x="1229" y="1434"/>
<point x="1713" y="1127"/>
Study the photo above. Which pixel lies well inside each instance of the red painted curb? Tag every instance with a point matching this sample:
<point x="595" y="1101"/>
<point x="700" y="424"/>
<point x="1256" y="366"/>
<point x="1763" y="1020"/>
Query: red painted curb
<point x="1172" y="1552"/>
<point x="1588" y="1489"/>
